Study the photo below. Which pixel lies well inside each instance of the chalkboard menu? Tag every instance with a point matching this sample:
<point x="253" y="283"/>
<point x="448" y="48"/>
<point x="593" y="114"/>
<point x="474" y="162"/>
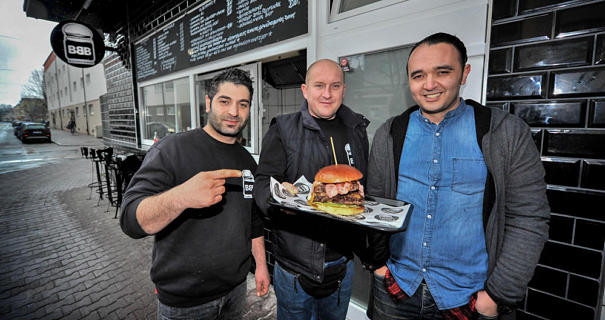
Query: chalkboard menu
<point x="217" y="29"/>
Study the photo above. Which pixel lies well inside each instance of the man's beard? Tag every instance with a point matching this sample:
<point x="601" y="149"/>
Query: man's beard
<point x="448" y="104"/>
<point x="444" y="107"/>
<point x="215" y="122"/>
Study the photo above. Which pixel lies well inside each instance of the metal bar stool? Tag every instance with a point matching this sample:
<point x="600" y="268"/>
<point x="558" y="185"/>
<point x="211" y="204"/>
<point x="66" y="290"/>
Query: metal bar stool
<point x="105" y="156"/>
<point x="95" y="165"/>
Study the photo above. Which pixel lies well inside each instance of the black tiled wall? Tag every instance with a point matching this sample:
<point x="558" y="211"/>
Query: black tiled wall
<point x="547" y="66"/>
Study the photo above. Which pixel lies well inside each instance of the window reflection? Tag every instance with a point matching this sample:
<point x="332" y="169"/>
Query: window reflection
<point x="166" y="108"/>
<point x="377" y="85"/>
<point x="346" y="5"/>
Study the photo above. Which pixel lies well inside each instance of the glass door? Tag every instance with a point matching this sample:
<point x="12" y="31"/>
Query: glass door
<point x="377" y="87"/>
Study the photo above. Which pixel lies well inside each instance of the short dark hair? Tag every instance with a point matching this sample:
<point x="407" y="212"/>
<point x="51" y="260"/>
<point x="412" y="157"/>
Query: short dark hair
<point x="442" y="37"/>
<point x="235" y="76"/>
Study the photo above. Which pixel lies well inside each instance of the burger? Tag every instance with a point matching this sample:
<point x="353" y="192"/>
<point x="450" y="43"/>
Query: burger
<point x="337" y="190"/>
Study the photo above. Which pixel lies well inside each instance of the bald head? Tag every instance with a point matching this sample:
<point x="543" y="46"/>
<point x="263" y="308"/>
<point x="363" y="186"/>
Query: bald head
<point x="324" y="88"/>
<point x="323" y="64"/>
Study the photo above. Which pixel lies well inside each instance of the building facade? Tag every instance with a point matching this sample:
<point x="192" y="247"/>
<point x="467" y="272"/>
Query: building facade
<point x="73" y="93"/>
<point x="541" y="60"/>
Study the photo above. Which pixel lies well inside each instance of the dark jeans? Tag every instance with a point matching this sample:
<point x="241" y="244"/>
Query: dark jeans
<point x="420" y="305"/>
<point x="230" y="306"/>
<point x="295" y="304"/>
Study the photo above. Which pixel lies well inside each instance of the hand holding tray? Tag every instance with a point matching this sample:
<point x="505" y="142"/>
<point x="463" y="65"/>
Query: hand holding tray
<point x="380" y="213"/>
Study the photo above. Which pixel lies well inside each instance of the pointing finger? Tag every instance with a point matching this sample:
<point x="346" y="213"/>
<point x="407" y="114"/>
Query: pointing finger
<point x="225" y="173"/>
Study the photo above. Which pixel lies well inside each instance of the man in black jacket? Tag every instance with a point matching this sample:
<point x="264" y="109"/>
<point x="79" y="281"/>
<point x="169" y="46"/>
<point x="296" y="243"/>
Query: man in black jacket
<point x="314" y="267"/>
<point x="189" y="195"/>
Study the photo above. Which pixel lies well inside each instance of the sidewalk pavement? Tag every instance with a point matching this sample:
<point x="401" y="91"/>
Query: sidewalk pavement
<point x="65" y="138"/>
<point x="63" y="255"/>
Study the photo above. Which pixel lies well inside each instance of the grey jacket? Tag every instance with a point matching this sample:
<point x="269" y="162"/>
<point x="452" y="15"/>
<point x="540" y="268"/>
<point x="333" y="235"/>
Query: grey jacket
<point x="516" y="211"/>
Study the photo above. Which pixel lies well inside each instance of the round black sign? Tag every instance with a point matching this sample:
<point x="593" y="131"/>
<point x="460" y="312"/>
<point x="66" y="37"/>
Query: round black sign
<point x="77" y="43"/>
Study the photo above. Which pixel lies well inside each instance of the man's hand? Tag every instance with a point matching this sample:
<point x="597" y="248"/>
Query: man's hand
<point x="292" y="189"/>
<point x="485" y="305"/>
<point x="381" y="271"/>
<point x="204" y="189"/>
<point x="261" y="275"/>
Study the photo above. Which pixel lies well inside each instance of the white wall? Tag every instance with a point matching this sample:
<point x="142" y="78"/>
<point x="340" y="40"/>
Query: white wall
<point x="61" y="88"/>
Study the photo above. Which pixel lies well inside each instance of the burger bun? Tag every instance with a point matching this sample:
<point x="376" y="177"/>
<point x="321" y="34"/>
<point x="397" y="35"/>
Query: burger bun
<point x="336" y="209"/>
<point x="338" y="173"/>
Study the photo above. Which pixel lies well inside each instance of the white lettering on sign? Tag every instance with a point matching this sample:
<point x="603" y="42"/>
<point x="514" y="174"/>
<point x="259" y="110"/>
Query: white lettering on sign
<point x="83" y="51"/>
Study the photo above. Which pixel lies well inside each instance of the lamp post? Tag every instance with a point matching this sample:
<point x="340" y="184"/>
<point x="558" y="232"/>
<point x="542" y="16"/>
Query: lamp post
<point x="58" y="96"/>
<point x="85" y="108"/>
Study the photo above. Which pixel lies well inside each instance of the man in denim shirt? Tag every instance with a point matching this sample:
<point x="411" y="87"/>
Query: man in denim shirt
<point x="475" y="178"/>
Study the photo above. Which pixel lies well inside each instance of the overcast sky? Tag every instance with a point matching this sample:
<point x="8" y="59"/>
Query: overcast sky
<point x="24" y="46"/>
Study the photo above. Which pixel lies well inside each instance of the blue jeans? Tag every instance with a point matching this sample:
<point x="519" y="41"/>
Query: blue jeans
<point x="230" y="306"/>
<point x="293" y="303"/>
<point x="420" y="305"/>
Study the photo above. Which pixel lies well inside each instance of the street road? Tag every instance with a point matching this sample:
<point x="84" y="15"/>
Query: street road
<point x="16" y="156"/>
<point x="62" y="254"/>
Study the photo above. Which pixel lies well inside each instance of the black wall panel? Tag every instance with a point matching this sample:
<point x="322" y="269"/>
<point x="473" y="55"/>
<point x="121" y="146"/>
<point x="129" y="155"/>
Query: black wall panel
<point x="503" y="9"/>
<point x="530" y="29"/>
<point x="600" y="50"/>
<point x="527" y="6"/>
<point x="578" y="83"/>
<point x="549" y="280"/>
<point x="522" y="86"/>
<point x="547" y="66"/>
<point x="551" y="114"/>
<point x="500" y="61"/>
<point x="593" y="174"/>
<point x="552" y="307"/>
<point x="597" y="114"/>
<point x="579" y="20"/>
<point x="574" y="143"/>
<point x="567" y="53"/>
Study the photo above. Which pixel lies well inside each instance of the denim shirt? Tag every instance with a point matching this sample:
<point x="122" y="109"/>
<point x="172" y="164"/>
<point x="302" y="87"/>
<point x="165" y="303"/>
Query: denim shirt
<point x="442" y="172"/>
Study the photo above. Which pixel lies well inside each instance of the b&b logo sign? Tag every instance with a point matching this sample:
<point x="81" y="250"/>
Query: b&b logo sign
<point x="77" y="44"/>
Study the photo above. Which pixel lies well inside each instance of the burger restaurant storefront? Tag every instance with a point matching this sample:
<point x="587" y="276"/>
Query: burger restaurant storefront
<point x="167" y="53"/>
<point x="277" y="58"/>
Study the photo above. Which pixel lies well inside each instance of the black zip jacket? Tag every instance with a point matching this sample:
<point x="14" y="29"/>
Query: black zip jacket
<point x="295" y="146"/>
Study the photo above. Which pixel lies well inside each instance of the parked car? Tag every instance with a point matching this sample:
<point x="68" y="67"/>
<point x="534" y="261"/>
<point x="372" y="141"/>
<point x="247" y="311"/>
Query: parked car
<point x="16" y="123"/>
<point x="18" y="128"/>
<point x="35" y="131"/>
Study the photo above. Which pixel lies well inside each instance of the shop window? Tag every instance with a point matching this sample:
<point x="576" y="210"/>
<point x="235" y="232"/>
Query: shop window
<point x="281" y="88"/>
<point x="346" y="8"/>
<point x="166" y="108"/>
<point x="170" y="112"/>
<point x="90" y="110"/>
<point x="346" y="5"/>
<point x="377" y="85"/>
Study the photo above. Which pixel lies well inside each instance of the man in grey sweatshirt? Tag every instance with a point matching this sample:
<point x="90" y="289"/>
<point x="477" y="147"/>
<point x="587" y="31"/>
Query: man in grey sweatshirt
<point x="476" y="181"/>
